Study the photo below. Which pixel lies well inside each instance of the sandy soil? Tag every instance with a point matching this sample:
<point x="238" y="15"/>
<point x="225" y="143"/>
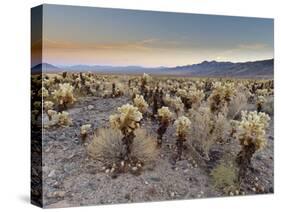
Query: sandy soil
<point x="71" y="178"/>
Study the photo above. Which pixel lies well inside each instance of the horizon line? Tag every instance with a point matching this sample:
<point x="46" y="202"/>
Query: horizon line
<point x="141" y="66"/>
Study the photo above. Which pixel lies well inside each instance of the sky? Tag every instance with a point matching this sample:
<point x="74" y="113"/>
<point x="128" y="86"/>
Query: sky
<point x="98" y="36"/>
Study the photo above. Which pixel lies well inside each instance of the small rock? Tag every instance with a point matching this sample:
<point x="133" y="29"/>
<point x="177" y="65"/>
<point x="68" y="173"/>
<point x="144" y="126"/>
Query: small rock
<point x="52" y="173"/>
<point x="155" y="179"/>
<point x="90" y="107"/>
<point x="56" y="194"/>
<point x="107" y="171"/>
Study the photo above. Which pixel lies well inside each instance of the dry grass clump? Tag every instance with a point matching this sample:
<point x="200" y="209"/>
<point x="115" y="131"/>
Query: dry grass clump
<point x="224" y="177"/>
<point x="107" y="146"/>
<point x="64" y="96"/>
<point x="144" y="147"/>
<point x="251" y="134"/>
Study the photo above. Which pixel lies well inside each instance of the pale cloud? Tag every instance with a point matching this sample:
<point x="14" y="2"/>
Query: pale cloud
<point x="252" y="46"/>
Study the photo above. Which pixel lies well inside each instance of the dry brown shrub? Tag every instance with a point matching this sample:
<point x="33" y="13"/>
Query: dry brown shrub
<point x="236" y="105"/>
<point x="107" y="146"/>
<point x="144" y="147"/>
<point x="207" y="129"/>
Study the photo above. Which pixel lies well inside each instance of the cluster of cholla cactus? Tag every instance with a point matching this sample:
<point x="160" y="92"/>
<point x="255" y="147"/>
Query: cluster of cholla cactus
<point x="175" y="103"/>
<point x="127" y="121"/>
<point x="191" y="97"/>
<point x="64" y="96"/>
<point x="164" y="118"/>
<point x="140" y="103"/>
<point x="251" y="134"/>
<point x="59" y="118"/>
<point x="221" y="96"/>
<point x="182" y="127"/>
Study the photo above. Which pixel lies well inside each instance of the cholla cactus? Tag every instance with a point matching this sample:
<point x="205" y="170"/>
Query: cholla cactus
<point x="144" y="81"/>
<point x="164" y="116"/>
<point x="175" y="103"/>
<point x="140" y="103"/>
<point x="251" y="135"/>
<point x="64" y="96"/>
<point x="182" y="126"/>
<point x="63" y="119"/>
<point x="51" y="113"/>
<point x="221" y="96"/>
<point x="127" y="121"/>
<point x="84" y="131"/>
<point x="43" y="92"/>
<point x="146" y="78"/>
<point x="195" y="96"/>
<point x="260" y="102"/>
<point x="48" y="105"/>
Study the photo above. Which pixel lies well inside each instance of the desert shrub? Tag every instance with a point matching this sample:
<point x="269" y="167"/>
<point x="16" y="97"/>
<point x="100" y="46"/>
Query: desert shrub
<point x="182" y="127"/>
<point x="224" y="176"/>
<point x="251" y="134"/>
<point x="107" y="146"/>
<point x="268" y="107"/>
<point x="164" y="118"/>
<point x="64" y="96"/>
<point x="207" y="129"/>
<point x="238" y="103"/>
<point x="144" y="148"/>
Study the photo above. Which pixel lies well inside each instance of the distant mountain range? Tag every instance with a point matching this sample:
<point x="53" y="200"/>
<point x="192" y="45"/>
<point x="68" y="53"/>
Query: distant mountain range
<point x="257" y="69"/>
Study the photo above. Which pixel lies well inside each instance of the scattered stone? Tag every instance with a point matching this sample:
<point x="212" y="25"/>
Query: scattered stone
<point x="56" y="194"/>
<point x="155" y="179"/>
<point x="52" y="173"/>
<point x="90" y="107"/>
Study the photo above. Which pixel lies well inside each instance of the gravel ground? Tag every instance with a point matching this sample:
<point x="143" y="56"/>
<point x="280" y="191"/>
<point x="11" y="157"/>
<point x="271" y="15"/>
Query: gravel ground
<point x="71" y="178"/>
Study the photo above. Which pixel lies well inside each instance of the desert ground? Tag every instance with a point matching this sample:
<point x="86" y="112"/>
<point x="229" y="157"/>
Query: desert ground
<point x="72" y="177"/>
